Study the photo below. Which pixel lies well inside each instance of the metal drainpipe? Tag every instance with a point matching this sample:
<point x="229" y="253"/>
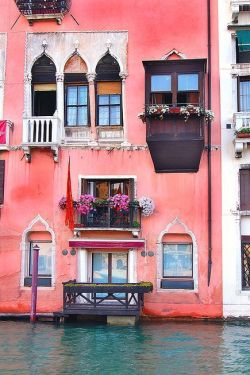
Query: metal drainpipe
<point x="209" y="167"/>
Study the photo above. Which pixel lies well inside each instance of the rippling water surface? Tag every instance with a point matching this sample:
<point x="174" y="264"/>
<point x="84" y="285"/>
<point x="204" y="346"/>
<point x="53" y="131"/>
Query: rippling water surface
<point x="196" y="348"/>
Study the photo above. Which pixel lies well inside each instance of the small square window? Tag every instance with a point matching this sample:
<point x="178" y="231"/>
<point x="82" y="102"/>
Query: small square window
<point x="188" y="82"/>
<point x="160" y="83"/>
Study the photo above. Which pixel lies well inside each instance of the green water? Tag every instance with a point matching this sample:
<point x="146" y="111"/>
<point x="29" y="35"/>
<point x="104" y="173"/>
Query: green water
<point x="167" y="348"/>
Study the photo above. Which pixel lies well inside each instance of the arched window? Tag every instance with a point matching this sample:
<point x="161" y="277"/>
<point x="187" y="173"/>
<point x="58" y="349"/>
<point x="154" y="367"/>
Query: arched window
<point x="43" y="87"/>
<point x="109" y="92"/>
<point x="44" y="242"/>
<point x="76" y="92"/>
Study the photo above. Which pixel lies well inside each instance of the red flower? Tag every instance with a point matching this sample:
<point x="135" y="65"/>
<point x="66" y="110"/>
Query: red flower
<point x="174" y="110"/>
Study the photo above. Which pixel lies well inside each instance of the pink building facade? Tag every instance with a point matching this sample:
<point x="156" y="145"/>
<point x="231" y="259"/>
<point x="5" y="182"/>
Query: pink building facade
<point x="72" y="87"/>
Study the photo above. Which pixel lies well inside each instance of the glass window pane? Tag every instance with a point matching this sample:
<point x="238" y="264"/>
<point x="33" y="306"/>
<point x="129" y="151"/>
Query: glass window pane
<point x="103" y="99"/>
<point x="83" y="95"/>
<point x="71" y="116"/>
<point x="44" y="259"/>
<point x="104" y="115"/>
<point x="115" y="115"/>
<point x="177" y="260"/>
<point x="71" y="95"/>
<point x="114" y="99"/>
<point x="119" y="267"/>
<point x="245" y="96"/>
<point x="82" y="116"/>
<point x="161" y="83"/>
<point x="100" y="268"/>
<point x="188" y="82"/>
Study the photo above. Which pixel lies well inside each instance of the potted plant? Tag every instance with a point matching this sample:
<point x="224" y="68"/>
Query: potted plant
<point x="243" y="133"/>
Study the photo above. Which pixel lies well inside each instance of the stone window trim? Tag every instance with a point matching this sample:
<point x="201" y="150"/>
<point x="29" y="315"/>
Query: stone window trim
<point x="60" y="47"/>
<point x="160" y="243"/>
<point x="25" y="246"/>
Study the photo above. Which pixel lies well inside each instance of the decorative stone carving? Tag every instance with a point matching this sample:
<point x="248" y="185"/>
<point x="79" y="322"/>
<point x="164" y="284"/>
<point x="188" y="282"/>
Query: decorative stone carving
<point x="123" y="75"/>
<point x="173" y="52"/>
<point x="44" y="45"/>
<point x="28" y="78"/>
<point x="76" y="44"/>
<point x="108" y="44"/>
<point x="91" y="77"/>
<point x="59" y="77"/>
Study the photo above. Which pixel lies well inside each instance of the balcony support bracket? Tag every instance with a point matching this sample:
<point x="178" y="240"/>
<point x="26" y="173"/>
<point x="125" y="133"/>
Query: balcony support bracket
<point x="27" y="153"/>
<point x="55" y="153"/>
<point x="238" y="149"/>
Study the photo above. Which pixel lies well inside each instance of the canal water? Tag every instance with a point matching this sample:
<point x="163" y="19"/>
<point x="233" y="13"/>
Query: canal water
<point x="151" y="348"/>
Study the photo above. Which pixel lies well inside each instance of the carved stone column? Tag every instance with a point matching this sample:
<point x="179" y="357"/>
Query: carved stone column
<point x="27" y="95"/>
<point x="60" y="103"/>
<point x="125" y="142"/>
<point x="92" y="107"/>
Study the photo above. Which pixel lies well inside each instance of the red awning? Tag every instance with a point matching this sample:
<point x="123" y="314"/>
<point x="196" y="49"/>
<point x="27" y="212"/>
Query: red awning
<point x="107" y="244"/>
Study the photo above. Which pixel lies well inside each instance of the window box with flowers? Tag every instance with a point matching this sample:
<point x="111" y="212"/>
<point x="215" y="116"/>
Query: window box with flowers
<point x="243" y="133"/>
<point x="161" y="111"/>
<point x="118" y="211"/>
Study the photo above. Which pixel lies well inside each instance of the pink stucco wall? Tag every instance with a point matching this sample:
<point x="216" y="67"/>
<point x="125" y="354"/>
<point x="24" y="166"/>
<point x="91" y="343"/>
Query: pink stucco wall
<point x="154" y="28"/>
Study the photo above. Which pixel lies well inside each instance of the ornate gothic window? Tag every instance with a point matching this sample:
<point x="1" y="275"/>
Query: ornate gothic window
<point x="108" y="92"/>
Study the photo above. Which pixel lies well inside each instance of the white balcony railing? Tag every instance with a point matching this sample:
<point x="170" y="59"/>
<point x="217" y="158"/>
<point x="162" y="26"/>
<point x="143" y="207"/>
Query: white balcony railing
<point x="241" y="120"/>
<point x="41" y="132"/>
<point x="237" y="6"/>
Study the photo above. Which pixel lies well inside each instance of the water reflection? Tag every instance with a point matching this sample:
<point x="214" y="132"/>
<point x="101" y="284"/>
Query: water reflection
<point x="177" y="348"/>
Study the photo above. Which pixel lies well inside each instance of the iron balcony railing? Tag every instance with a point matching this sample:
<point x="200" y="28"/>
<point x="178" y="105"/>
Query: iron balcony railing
<point x="43" y="7"/>
<point x="106" y="216"/>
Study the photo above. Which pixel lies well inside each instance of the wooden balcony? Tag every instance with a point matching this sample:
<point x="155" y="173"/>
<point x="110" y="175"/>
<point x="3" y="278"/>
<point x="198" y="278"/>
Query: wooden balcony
<point x="176" y="145"/>
<point x="104" y="299"/>
<point x="35" y="10"/>
<point x="41" y="132"/>
<point x="104" y="217"/>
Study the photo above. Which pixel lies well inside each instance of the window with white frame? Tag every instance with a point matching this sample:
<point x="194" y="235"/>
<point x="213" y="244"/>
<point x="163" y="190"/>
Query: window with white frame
<point x="44" y="263"/>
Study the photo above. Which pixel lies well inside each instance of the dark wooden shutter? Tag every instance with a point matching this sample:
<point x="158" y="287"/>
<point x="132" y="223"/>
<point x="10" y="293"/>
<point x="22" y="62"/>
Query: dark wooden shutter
<point x="244" y="189"/>
<point x="2" y="168"/>
<point x="131" y="188"/>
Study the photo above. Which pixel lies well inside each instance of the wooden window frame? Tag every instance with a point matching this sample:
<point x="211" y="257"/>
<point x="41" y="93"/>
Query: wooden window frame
<point x="174" y="68"/>
<point x="75" y="84"/>
<point x="174" y="88"/>
<point x="244" y="182"/>
<point x="85" y="181"/>
<point x="108" y="105"/>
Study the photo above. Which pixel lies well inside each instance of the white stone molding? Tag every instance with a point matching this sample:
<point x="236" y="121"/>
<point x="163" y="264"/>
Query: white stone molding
<point x="82" y="273"/>
<point x="24" y="247"/>
<point x="123" y="76"/>
<point x="173" y="52"/>
<point x="186" y="230"/>
<point x="76" y="44"/>
<point x="3" y="45"/>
